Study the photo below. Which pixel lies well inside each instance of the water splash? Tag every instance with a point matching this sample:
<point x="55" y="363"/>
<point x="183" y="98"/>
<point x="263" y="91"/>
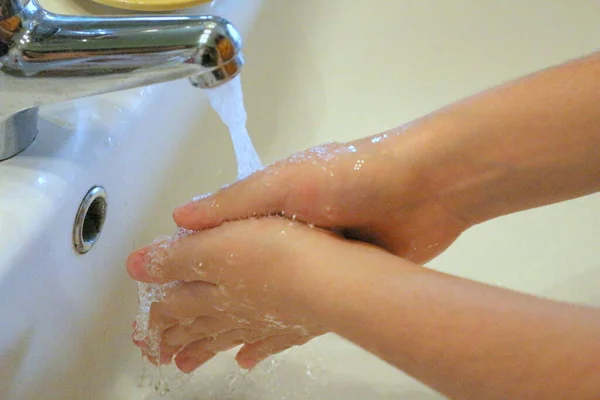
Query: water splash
<point x="154" y="377"/>
<point x="227" y="101"/>
<point x="278" y="377"/>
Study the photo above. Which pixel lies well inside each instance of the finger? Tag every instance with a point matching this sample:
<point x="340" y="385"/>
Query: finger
<point x="202" y="327"/>
<point x="139" y="343"/>
<point x="197" y="257"/>
<point x="149" y="357"/>
<point x="203" y="256"/>
<point x="298" y="187"/>
<point x="164" y="354"/>
<point x="167" y="352"/>
<point x="147" y="264"/>
<point x="197" y="353"/>
<point x="253" y="353"/>
<point x="134" y="337"/>
<point x="185" y="302"/>
<point x="158" y="351"/>
<point x="193" y="356"/>
<point x="137" y="267"/>
<point x="233" y="338"/>
<point x="184" y="260"/>
<point x="151" y="344"/>
<point x="263" y="192"/>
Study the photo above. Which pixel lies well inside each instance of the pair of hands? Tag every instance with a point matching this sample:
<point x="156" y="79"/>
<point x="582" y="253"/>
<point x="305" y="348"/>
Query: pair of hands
<point x="244" y="274"/>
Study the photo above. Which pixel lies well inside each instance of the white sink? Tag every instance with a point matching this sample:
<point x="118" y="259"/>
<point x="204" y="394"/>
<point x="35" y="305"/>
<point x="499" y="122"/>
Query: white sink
<point x="316" y="71"/>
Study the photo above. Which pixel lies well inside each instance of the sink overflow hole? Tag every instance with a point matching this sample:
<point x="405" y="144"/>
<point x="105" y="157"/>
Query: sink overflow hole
<point x="89" y="220"/>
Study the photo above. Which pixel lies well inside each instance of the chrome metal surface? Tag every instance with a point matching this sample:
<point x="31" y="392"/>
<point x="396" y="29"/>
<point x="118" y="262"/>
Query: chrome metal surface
<point x="47" y="58"/>
<point x="89" y="220"/>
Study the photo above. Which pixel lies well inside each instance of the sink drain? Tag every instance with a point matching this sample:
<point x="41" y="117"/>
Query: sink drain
<point x="89" y="220"/>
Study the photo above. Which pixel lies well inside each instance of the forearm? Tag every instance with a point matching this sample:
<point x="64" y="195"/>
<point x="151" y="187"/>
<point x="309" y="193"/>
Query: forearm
<point x="465" y="339"/>
<point x="528" y="143"/>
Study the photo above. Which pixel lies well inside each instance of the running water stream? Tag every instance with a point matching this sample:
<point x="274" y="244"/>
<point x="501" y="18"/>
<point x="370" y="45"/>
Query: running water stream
<point x="165" y="382"/>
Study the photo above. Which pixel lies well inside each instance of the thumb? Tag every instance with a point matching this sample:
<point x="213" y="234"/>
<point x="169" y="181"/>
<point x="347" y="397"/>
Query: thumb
<point x="284" y="188"/>
<point x="253" y="353"/>
<point x="258" y="194"/>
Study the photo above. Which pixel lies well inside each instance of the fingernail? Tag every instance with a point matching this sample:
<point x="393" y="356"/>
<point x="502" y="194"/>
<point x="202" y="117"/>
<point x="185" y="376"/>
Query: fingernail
<point x="140" y="343"/>
<point x="187" y="364"/>
<point x="247" y="363"/>
<point x="136" y="266"/>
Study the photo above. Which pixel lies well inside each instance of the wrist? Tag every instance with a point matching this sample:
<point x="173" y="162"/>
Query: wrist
<point x="333" y="286"/>
<point x="456" y="168"/>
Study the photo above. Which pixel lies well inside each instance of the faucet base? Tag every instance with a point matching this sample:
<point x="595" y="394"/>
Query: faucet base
<point x="17" y="132"/>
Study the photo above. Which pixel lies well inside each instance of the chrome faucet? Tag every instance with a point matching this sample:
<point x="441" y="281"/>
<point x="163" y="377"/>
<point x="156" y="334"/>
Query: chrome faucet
<point x="47" y="58"/>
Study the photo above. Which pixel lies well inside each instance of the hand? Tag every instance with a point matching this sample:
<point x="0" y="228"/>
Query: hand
<point x="244" y="282"/>
<point x="371" y="190"/>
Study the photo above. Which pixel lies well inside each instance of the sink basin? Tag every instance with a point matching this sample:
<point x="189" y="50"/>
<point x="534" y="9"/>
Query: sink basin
<point x="315" y="72"/>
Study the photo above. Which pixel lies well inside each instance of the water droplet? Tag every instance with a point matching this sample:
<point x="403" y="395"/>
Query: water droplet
<point x="231" y="259"/>
<point x="358" y="165"/>
<point x="200" y="197"/>
<point x="379" y="138"/>
<point x="161" y="239"/>
<point x="198" y="269"/>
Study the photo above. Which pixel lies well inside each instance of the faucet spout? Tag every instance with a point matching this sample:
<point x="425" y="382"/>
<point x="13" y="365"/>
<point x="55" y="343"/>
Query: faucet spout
<point x="47" y="58"/>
